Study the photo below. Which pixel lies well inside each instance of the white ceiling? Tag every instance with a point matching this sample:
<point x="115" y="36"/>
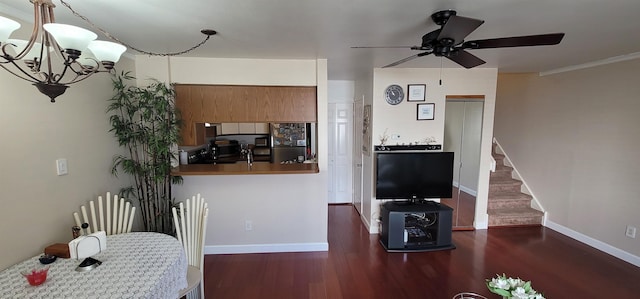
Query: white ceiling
<point x="309" y="29"/>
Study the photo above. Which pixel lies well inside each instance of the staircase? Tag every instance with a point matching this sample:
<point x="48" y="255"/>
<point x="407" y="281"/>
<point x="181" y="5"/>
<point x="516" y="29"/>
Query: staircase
<point x="508" y="206"/>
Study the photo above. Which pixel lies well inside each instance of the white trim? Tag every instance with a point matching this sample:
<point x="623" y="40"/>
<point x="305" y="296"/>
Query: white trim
<point x="481" y="224"/>
<point x="468" y="190"/>
<point x="609" y="60"/>
<point x="619" y="253"/>
<point x="265" y="248"/>
<point x="465" y="189"/>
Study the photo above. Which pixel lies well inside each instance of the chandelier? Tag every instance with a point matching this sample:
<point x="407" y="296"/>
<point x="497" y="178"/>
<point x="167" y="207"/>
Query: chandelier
<point x="57" y="55"/>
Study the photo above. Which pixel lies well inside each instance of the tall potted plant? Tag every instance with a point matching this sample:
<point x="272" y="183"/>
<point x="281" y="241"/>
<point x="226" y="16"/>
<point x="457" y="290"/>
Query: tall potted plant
<point x="145" y="122"/>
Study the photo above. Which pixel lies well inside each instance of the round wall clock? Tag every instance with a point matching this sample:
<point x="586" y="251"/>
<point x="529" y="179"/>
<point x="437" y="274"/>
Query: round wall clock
<point x="394" y="94"/>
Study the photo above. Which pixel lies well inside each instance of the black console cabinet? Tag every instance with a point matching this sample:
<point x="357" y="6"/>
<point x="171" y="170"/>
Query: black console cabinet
<point x="415" y="226"/>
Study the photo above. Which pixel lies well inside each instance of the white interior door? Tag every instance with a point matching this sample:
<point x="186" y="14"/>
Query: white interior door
<point x="340" y="152"/>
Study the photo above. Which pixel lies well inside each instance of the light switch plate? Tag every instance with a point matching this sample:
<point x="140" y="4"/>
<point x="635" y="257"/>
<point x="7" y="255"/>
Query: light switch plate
<point x="61" y="166"/>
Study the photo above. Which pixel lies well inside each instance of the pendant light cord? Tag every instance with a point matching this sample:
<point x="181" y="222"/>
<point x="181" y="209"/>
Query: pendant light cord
<point x="207" y="32"/>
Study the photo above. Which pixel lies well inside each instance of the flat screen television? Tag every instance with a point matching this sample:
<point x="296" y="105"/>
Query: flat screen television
<point x="414" y="175"/>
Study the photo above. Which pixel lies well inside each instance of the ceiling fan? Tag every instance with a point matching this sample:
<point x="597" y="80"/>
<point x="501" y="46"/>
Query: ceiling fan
<point x="448" y="41"/>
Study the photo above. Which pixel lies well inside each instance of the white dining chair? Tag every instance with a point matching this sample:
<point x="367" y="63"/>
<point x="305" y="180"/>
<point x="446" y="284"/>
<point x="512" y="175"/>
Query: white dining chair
<point x="118" y="216"/>
<point x="191" y="226"/>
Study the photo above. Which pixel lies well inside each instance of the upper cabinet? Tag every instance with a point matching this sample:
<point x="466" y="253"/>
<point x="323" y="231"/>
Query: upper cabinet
<point x="242" y="104"/>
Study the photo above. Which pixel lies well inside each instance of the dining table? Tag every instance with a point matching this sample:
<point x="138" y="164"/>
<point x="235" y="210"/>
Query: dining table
<point x="134" y="265"/>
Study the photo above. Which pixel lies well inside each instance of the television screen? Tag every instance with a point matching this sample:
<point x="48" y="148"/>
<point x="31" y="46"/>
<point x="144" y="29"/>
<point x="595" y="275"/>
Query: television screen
<point x="414" y="175"/>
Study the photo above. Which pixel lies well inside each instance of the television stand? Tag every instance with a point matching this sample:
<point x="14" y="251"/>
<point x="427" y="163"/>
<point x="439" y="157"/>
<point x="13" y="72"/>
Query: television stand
<point x="410" y="226"/>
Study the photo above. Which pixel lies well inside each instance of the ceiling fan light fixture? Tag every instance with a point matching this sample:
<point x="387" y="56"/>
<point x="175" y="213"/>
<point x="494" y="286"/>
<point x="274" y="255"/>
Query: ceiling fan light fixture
<point x="448" y="40"/>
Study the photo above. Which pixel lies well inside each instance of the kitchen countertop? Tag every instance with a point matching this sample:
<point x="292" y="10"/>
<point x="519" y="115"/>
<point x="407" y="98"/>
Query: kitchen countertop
<point x="241" y="168"/>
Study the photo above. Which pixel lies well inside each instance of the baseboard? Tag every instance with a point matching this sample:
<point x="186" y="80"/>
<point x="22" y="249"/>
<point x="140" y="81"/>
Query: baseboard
<point x="465" y="189"/>
<point x="481" y="224"/>
<point x="265" y="248"/>
<point x="619" y="253"/>
<point x="372" y="228"/>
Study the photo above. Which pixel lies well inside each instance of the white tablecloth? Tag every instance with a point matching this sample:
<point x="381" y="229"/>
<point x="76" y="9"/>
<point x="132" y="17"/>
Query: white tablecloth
<point x="134" y="265"/>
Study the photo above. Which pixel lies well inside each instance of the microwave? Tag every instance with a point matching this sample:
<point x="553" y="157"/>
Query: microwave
<point x="262" y="141"/>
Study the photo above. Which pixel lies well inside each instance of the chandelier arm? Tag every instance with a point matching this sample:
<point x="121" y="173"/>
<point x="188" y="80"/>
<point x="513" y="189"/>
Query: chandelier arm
<point x="28" y="77"/>
<point x="207" y="34"/>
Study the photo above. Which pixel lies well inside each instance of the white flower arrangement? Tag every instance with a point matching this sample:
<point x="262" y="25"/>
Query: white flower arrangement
<point x="512" y="288"/>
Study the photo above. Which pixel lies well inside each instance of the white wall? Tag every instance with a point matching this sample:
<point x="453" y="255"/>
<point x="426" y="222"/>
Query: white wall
<point x="574" y="138"/>
<point x="37" y="204"/>
<point x="288" y="212"/>
<point x="341" y="91"/>
<point x="401" y="120"/>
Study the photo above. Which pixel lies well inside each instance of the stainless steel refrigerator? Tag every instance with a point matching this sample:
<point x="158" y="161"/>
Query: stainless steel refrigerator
<point x="289" y="142"/>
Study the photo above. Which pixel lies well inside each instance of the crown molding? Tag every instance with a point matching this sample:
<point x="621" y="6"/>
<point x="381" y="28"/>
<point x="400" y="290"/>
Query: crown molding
<point x="609" y="60"/>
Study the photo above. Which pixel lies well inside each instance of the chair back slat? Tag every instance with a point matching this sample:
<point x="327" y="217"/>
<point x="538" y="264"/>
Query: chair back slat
<point x="108" y="216"/>
<point x="130" y="222"/>
<point x="118" y="220"/>
<point x="191" y="223"/>
<point x="85" y="218"/>
<point x="114" y="221"/>
<point x="93" y="225"/>
<point x="101" y="211"/>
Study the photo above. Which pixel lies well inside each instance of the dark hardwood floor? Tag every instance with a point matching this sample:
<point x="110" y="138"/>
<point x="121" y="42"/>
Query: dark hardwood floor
<point x="356" y="266"/>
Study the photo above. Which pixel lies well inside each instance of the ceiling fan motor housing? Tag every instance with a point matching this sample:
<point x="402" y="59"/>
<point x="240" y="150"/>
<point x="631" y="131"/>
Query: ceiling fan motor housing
<point x="441" y="17"/>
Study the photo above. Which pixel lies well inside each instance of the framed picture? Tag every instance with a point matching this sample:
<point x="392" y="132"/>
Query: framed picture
<point x="426" y="111"/>
<point x="366" y="130"/>
<point x="416" y="92"/>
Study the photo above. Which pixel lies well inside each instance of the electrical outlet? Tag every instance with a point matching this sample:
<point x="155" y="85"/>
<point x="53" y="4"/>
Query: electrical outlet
<point x="61" y="166"/>
<point x="248" y="225"/>
<point x="631" y="232"/>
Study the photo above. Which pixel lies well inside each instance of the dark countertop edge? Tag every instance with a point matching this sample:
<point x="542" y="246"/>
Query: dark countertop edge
<point x="242" y="169"/>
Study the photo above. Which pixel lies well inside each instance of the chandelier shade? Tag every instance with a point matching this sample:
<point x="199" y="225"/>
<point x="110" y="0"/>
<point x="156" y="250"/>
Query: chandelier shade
<point x="70" y="38"/>
<point x="106" y="51"/>
<point x="7" y="26"/>
<point x="56" y="55"/>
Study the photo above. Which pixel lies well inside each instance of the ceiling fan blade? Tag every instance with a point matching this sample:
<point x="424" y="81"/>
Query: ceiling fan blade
<point x="516" y="41"/>
<point x="389" y="47"/>
<point x="412" y="57"/>
<point x="457" y="28"/>
<point x="465" y="59"/>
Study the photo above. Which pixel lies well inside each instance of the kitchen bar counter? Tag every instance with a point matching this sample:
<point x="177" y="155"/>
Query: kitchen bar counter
<point x="241" y="168"/>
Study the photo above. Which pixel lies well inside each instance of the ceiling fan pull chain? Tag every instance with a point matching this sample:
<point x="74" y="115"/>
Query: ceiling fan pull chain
<point x="440" y="70"/>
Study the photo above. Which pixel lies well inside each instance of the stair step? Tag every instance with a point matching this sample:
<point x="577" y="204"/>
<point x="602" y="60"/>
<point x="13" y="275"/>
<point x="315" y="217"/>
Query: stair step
<point x="514" y="216"/>
<point x="502" y="167"/>
<point x="503" y="184"/>
<point x="509" y="200"/>
<point x="500" y="174"/>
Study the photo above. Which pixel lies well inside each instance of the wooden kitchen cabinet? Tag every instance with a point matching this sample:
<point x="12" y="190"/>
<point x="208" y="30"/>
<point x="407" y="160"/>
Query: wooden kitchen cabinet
<point x="243" y="104"/>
